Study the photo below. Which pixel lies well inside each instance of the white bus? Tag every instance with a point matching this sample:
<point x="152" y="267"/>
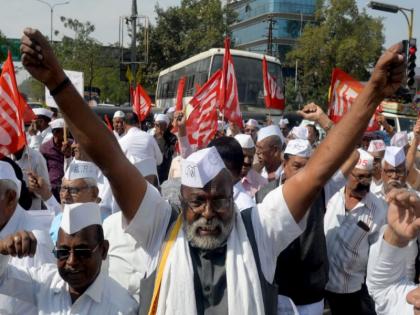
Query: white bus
<point x="199" y="68"/>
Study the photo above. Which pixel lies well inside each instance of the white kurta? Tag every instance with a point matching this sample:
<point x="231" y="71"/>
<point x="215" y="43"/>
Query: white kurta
<point x="32" y="160"/>
<point x="387" y="277"/>
<point x="45" y="288"/>
<point x="348" y="243"/>
<point x="140" y="145"/>
<point x="40" y="138"/>
<point x="37" y="222"/>
<point x="278" y="172"/>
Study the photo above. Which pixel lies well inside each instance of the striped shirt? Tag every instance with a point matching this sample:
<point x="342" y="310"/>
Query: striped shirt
<point x="349" y="235"/>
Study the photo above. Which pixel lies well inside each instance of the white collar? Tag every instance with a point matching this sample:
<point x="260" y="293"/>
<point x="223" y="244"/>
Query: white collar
<point x="46" y="131"/>
<point x="13" y="223"/>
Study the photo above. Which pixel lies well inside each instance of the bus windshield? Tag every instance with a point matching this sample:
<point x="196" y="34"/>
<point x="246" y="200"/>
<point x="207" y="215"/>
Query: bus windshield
<point x="248" y="73"/>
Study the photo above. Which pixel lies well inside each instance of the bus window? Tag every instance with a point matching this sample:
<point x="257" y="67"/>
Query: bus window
<point x="407" y="124"/>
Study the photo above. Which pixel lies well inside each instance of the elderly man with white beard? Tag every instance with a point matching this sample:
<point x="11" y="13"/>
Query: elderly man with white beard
<point x="237" y="251"/>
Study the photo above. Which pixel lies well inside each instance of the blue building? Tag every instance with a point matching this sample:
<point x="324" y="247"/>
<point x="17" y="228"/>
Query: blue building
<point x="269" y="26"/>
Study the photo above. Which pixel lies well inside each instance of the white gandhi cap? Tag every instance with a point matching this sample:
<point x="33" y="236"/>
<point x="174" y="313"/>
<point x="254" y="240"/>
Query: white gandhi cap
<point x="400" y="139"/>
<point x="283" y="122"/>
<point x="394" y="156"/>
<point x="245" y="141"/>
<point x="376" y="146"/>
<point x="300" y="133"/>
<point x="252" y="122"/>
<point x="7" y="172"/>
<point x="57" y="123"/>
<point x="365" y="161"/>
<point x="299" y="147"/>
<point x="80" y="170"/>
<point x="201" y="167"/>
<point x="119" y="114"/>
<point x="162" y="118"/>
<point x="78" y="216"/>
<point x="269" y="131"/>
<point x="43" y="111"/>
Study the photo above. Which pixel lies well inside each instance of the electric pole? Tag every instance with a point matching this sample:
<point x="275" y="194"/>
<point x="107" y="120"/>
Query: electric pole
<point x="133" y="40"/>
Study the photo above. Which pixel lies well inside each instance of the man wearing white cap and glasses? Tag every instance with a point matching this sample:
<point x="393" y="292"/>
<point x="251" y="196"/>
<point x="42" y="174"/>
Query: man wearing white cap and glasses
<point x="250" y="179"/>
<point x="75" y="284"/>
<point x="284" y="126"/>
<point x="377" y="150"/>
<point x="210" y="235"/>
<point x="118" y="124"/>
<point x="269" y="146"/>
<point x="12" y="219"/>
<point x="40" y="131"/>
<point x="352" y="222"/>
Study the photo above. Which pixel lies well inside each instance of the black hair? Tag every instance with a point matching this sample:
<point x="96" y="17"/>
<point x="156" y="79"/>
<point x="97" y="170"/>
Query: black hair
<point x="99" y="233"/>
<point x="231" y="153"/>
<point x="315" y="130"/>
<point x="131" y="119"/>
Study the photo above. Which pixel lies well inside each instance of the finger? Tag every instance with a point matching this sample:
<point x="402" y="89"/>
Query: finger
<point x="30" y="51"/>
<point x="26" y="244"/>
<point x="396" y="48"/>
<point x="10" y="247"/>
<point x="35" y="36"/>
<point x="33" y="244"/>
<point x="26" y="41"/>
<point x="28" y="60"/>
<point x="18" y="245"/>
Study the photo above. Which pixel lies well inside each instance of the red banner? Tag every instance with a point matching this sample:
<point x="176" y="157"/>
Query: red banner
<point x="273" y="94"/>
<point x="229" y="102"/>
<point x="180" y="94"/>
<point x="202" y="121"/>
<point x="12" y="132"/>
<point x="343" y="91"/>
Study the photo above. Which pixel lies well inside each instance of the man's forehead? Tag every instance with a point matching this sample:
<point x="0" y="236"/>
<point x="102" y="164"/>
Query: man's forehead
<point x="73" y="182"/>
<point x="388" y="166"/>
<point x="85" y="236"/>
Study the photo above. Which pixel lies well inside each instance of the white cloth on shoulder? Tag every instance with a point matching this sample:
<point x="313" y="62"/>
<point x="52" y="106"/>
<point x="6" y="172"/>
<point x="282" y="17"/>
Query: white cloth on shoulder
<point x="243" y="283"/>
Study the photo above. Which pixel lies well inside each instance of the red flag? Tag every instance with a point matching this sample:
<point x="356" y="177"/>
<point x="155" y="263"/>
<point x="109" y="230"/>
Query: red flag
<point x="142" y="103"/>
<point x="12" y="132"/>
<point x="343" y="91"/>
<point x="108" y="123"/>
<point x="229" y="103"/>
<point x="180" y="94"/>
<point x="197" y="87"/>
<point x="28" y="113"/>
<point x="273" y="94"/>
<point x="202" y="121"/>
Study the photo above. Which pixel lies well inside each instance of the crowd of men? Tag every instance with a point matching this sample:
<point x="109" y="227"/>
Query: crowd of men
<point x="265" y="220"/>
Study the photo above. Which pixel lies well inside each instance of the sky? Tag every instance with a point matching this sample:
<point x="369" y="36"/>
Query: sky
<point x="15" y="15"/>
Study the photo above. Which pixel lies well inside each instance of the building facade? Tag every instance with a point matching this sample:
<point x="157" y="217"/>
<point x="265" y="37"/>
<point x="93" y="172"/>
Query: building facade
<point x="269" y="26"/>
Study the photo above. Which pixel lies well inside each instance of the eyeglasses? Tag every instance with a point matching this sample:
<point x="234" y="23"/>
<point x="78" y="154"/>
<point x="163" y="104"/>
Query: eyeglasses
<point x="398" y="172"/>
<point x="218" y="205"/>
<point x="73" y="190"/>
<point x="80" y="253"/>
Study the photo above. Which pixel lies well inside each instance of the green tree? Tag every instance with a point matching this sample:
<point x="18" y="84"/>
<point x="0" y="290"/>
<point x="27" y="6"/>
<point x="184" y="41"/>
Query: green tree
<point x="3" y="44"/>
<point x="183" y="31"/>
<point x="99" y="64"/>
<point x="341" y="36"/>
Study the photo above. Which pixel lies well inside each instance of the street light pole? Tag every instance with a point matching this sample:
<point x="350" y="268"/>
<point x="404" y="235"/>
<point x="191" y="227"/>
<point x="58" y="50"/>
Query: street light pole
<point x="395" y="9"/>
<point x="52" y="6"/>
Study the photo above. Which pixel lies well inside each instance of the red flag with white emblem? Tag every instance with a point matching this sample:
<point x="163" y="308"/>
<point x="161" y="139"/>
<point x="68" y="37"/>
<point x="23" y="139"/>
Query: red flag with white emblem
<point x="202" y="121"/>
<point x="12" y="132"/>
<point x="343" y="91"/>
<point x="229" y="102"/>
<point x="273" y="94"/>
<point x="142" y="104"/>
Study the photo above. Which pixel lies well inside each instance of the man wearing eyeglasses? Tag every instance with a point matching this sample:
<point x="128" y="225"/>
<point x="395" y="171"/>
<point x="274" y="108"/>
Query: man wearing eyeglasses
<point x="238" y="284"/>
<point x="76" y="284"/>
<point x="352" y="222"/>
<point x="12" y="219"/>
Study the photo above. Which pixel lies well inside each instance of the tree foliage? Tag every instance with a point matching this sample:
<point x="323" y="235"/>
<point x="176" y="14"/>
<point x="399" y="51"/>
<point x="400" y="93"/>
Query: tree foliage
<point x="3" y="42"/>
<point x="341" y="36"/>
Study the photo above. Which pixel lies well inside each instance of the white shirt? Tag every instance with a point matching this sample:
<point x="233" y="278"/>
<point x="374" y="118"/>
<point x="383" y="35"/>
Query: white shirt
<point x="241" y="198"/>
<point x="40" y="138"/>
<point x="45" y="288"/>
<point x="38" y="222"/>
<point x="33" y="160"/>
<point x="347" y="242"/>
<point x="141" y="145"/>
<point x="278" y="172"/>
<point x="387" y="277"/>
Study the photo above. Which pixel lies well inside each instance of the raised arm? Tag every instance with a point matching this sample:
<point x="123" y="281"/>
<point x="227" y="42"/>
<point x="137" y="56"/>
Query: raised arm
<point x="300" y="190"/>
<point x="93" y="136"/>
